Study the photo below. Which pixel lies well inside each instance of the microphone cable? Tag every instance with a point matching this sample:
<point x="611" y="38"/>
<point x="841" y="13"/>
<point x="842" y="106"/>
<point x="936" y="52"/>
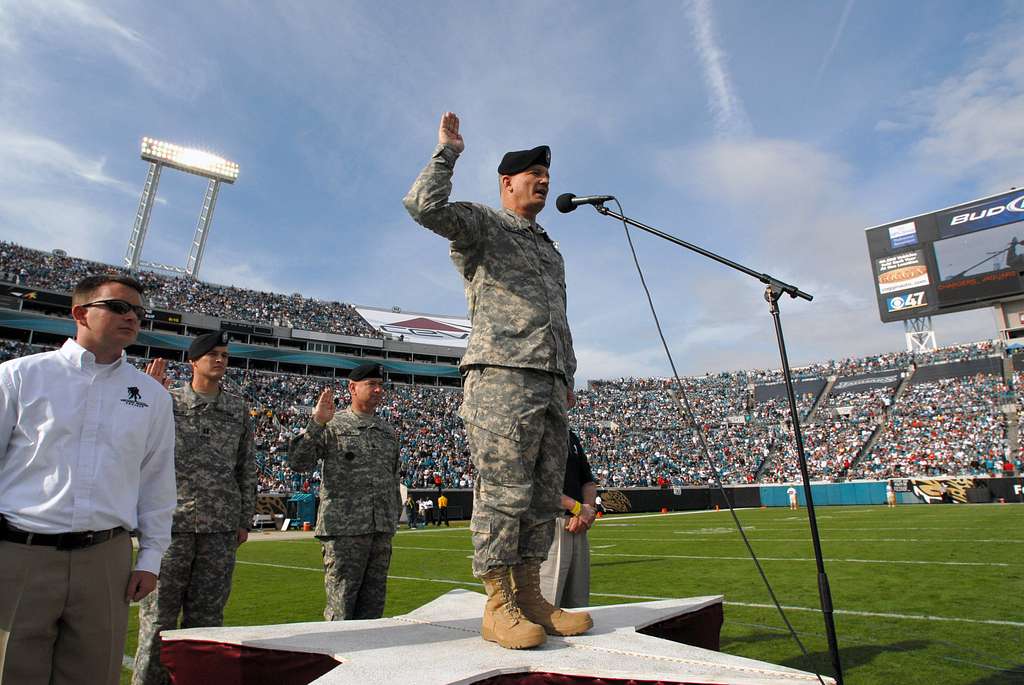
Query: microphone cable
<point x="686" y="412"/>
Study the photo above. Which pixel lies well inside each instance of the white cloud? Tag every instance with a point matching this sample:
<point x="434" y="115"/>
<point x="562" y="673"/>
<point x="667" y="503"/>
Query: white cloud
<point x="836" y="37"/>
<point x="88" y="28"/>
<point x="726" y="108"/>
<point x="90" y="18"/>
<point x="46" y="222"/>
<point x="889" y="126"/>
<point x="761" y="172"/>
<point x="52" y="195"/>
<point x="31" y="158"/>
<point x="225" y="270"/>
<point x="794" y="209"/>
<point x="971" y="124"/>
<point x="8" y="40"/>
<point x="596" y="363"/>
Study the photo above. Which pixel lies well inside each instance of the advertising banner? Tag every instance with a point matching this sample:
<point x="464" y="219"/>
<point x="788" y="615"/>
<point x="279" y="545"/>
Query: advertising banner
<point x="866" y="382"/>
<point x="426" y="329"/>
<point x="778" y="390"/>
<point x="901" y="272"/>
<point x="979" y="216"/>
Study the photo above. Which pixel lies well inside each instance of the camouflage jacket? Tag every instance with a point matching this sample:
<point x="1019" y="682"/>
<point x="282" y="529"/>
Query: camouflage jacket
<point x="513" y="274"/>
<point x="214" y="461"/>
<point x="359" y="479"/>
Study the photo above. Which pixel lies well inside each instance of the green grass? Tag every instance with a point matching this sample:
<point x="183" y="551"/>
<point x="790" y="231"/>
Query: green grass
<point x="965" y="562"/>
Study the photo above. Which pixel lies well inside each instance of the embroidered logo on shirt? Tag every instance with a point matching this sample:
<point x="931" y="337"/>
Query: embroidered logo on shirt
<point x="134" y="398"/>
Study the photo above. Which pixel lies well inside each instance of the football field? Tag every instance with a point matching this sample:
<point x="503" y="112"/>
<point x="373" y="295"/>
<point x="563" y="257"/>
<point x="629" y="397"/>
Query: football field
<point x="923" y="594"/>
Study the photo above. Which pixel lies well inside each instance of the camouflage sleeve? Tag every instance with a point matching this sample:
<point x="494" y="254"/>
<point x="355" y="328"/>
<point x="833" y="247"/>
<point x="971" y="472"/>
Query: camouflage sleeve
<point x="428" y="205"/>
<point x="308" y="447"/>
<point x="570" y="362"/>
<point x="245" y="472"/>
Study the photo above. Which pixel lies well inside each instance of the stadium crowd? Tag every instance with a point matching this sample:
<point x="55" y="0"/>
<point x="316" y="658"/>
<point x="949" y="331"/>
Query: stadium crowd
<point x="633" y="429"/>
<point x="635" y="435"/>
<point x="952" y="425"/>
<point x="36" y="269"/>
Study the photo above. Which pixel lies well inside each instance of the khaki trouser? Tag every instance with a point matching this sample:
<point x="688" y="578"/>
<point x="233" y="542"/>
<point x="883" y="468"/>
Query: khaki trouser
<point x="63" y="614"/>
<point x="517" y="429"/>
<point x="565" y="574"/>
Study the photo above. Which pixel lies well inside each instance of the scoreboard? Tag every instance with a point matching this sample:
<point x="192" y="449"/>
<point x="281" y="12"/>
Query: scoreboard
<point x="951" y="260"/>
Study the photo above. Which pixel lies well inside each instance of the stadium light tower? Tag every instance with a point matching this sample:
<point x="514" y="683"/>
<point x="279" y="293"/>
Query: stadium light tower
<point x="160" y="154"/>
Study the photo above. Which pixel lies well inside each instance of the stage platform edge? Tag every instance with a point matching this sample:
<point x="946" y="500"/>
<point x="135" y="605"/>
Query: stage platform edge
<point x="439" y="643"/>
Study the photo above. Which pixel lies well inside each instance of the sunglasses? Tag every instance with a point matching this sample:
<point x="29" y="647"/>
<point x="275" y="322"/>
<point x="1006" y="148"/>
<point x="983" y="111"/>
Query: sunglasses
<point x="119" y="307"/>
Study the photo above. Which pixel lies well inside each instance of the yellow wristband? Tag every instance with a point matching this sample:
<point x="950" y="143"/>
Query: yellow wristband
<point x="576" y="509"/>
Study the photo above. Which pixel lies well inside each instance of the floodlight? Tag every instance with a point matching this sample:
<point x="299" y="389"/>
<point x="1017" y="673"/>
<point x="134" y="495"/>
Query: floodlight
<point x="159" y="154"/>
<point x="190" y="160"/>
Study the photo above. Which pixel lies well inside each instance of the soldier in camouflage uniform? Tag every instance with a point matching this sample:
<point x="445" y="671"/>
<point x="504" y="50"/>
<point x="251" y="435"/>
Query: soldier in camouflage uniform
<point x="518" y="379"/>
<point x="360" y="501"/>
<point x="215" y="464"/>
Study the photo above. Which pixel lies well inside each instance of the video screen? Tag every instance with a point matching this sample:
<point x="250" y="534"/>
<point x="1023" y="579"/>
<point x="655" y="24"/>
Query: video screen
<point x="982" y="252"/>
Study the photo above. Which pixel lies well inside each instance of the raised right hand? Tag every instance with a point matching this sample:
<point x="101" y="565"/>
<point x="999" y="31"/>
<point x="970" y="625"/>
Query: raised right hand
<point x="448" y="132"/>
<point x="324" y="410"/>
<point x="157" y="369"/>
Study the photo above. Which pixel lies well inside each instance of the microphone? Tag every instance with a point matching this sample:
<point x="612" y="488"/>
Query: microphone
<point x="568" y="202"/>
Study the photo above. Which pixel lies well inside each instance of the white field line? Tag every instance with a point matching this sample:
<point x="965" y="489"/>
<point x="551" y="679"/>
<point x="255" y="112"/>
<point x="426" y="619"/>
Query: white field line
<point x="695" y="557"/>
<point x="404" y="531"/>
<point x="872" y="529"/>
<point x="848" y="612"/>
<point x="632" y="517"/>
<point x="978" y="665"/>
<point x="703" y="538"/>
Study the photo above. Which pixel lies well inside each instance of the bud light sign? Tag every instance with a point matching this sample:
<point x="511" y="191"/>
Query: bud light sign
<point x="1005" y="210"/>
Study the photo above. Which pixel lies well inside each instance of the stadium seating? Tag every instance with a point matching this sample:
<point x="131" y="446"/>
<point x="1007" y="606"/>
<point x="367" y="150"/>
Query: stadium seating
<point x="37" y="269"/>
<point x="632" y="428"/>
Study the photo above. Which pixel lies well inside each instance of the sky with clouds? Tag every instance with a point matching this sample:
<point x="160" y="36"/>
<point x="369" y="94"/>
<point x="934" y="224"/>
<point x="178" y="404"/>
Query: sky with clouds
<point x="772" y="132"/>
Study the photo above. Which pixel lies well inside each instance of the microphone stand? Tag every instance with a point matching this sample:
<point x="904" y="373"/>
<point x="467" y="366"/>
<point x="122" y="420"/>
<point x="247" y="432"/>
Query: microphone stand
<point x="774" y="289"/>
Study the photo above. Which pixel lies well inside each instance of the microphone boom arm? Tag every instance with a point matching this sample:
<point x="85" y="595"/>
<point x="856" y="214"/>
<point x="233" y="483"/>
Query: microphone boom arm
<point x="767" y="279"/>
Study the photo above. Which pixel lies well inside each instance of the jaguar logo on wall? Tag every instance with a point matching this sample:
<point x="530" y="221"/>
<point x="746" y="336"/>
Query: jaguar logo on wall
<point x="615" y="501"/>
<point x="931" y="490"/>
<point x="271" y="504"/>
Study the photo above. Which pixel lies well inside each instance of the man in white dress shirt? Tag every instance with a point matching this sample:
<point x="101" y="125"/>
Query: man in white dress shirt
<point x="86" y="455"/>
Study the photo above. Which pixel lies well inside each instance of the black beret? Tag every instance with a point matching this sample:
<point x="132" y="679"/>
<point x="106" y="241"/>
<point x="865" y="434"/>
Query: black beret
<point x="521" y="160"/>
<point x="206" y="342"/>
<point x="367" y="370"/>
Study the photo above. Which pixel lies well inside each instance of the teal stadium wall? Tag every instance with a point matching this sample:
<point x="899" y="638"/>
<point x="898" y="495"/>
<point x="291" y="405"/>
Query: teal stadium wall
<point x="827" y="494"/>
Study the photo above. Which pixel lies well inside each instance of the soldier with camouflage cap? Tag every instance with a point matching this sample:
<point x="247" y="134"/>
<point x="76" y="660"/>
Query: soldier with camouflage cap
<point x="360" y="502"/>
<point x="518" y="379"/>
<point x="215" y="465"/>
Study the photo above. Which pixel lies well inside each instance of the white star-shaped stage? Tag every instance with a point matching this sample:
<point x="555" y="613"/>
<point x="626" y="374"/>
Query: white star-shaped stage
<point x="440" y="643"/>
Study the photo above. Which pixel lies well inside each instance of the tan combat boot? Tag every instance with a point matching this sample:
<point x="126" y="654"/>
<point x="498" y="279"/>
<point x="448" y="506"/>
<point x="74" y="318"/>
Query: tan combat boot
<point x="526" y="577"/>
<point x="503" y="622"/>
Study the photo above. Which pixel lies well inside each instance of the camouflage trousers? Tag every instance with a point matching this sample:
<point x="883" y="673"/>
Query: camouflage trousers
<point x="195" y="581"/>
<point x="355" y="575"/>
<point x="518" y="441"/>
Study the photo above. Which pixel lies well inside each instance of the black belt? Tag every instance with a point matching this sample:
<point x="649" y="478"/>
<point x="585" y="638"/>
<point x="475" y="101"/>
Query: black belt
<point x="62" y="541"/>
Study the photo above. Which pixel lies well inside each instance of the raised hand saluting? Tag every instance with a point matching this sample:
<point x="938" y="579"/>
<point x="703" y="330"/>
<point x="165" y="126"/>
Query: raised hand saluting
<point x="324" y="410"/>
<point x="157" y="369"/>
<point x="448" y="133"/>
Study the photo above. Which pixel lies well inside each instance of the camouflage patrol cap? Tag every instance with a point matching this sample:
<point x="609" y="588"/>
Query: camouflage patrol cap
<point x="521" y="160"/>
<point x="206" y="342"/>
<point x="367" y="370"/>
